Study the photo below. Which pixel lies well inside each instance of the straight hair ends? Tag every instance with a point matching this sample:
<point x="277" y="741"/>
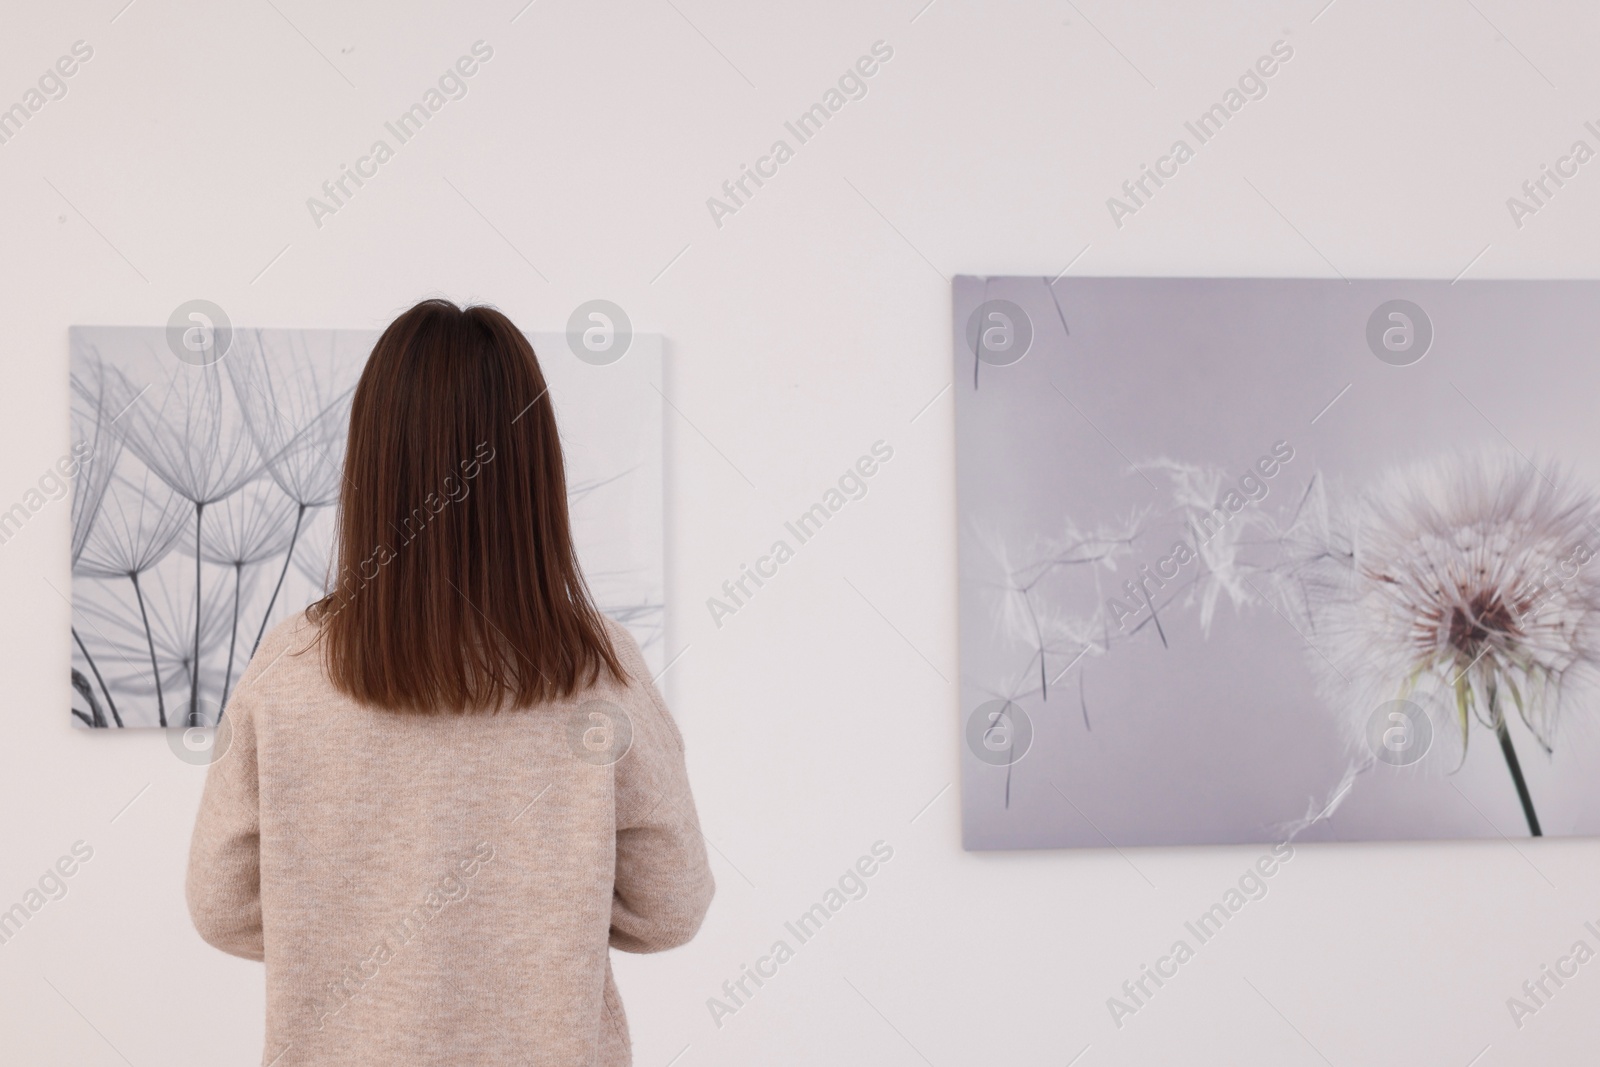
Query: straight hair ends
<point x="456" y="583"/>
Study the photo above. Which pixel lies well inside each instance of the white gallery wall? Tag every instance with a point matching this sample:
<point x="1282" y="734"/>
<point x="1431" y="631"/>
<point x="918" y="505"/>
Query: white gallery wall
<point x="803" y="326"/>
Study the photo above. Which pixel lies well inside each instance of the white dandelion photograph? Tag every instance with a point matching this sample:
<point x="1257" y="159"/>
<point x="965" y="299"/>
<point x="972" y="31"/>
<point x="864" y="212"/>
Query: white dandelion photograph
<point x="203" y="510"/>
<point x="1257" y="560"/>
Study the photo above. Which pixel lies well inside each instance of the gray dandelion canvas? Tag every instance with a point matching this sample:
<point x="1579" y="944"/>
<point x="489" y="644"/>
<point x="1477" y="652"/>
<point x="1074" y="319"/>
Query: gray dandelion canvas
<point x="1251" y="560"/>
<point x="203" y="509"/>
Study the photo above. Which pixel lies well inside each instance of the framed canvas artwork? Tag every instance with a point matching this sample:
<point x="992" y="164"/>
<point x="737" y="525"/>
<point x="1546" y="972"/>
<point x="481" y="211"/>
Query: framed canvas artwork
<point x="1245" y="560"/>
<point x="205" y="497"/>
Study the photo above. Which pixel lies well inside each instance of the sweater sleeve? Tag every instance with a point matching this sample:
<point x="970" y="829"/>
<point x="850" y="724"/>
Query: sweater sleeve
<point x="663" y="884"/>
<point x="224" y="880"/>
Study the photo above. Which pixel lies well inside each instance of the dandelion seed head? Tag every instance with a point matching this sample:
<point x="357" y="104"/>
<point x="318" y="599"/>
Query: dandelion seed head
<point x="1462" y="578"/>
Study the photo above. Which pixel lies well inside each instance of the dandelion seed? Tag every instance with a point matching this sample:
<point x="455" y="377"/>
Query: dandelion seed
<point x="295" y="388"/>
<point x="138" y="522"/>
<point x="242" y="530"/>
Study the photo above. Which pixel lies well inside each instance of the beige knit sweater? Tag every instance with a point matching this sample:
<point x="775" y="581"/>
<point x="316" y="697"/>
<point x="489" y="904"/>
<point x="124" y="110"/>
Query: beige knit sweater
<point x="444" y="889"/>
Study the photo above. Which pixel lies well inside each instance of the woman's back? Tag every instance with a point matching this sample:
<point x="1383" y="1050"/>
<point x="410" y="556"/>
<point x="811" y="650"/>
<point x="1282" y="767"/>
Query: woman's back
<point x="443" y="889"/>
<point x="450" y="787"/>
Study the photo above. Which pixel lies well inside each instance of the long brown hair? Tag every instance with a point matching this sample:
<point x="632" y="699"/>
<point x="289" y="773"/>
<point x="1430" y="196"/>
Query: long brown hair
<point x="457" y="584"/>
